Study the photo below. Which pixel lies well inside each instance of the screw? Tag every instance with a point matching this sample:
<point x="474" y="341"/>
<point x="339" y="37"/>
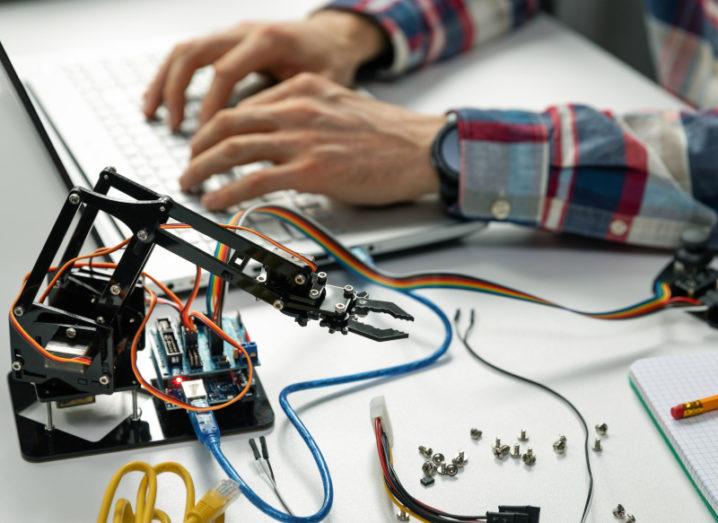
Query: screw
<point x="438" y="459"/>
<point x="442" y="469"/>
<point x="504" y="451"/>
<point x="619" y="512"/>
<point x="104" y="379"/>
<point x="100" y="320"/>
<point x="460" y="459"/>
<point x="402" y="515"/>
<point x="314" y="293"/>
<point x="601" y="429"/>
<point x="497" y="444"/>
<point x="71" y="333"/>
<point x="261" y="278"/>
<point x="300" y="279"/>
<point x="278" y="304"/>
<point x="321" y="277"/>
<point x="597" y="445"/>
<point x="630" y="518"/>
<point x="339" y="307"/>
<point x="475" y="434"/>
<point x="523" y="436"/>
<point x="163" y="208"/>
<point x="428" y="468"/>
<point x="559" y="446"/>
<point x="74" y="198"/>
<point x="451" y="469"/>
<point x="425" y="451"/>
<point x="16" y="365"/>
<point x="529" y="458"/>
<point x="115" y="289"/>
<point x="18" y="311"/>
<point x="348" y="290"/>
<point x="516" y="453"/>
<point x="143" y="235"/>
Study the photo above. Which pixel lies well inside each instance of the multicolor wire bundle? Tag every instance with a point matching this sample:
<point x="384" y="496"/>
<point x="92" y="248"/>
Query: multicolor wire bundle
<point x="445" y="280"/>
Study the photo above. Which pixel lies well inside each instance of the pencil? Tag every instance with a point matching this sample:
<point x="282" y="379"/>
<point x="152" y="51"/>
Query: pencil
<point x="694" y="408"/>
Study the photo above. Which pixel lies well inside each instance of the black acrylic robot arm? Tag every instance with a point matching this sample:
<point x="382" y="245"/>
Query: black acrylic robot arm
<point x="287" y="282"/>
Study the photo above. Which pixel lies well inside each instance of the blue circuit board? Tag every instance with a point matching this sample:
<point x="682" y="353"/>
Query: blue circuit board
<point x="178" y="355"/>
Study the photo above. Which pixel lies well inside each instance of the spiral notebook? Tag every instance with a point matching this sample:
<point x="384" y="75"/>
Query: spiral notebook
<point x="665" y="381"/>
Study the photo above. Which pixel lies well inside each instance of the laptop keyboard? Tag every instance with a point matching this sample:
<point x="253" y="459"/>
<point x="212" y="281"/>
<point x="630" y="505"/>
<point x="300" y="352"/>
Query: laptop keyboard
<point x="155" y="157"/>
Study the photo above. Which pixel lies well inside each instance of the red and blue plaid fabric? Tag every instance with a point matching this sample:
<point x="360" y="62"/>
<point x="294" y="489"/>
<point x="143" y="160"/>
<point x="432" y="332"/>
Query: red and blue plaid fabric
<point x="641" y="178"/>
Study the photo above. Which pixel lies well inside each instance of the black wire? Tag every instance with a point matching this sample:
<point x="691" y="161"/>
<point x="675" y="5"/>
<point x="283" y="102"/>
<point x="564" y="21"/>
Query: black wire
<point x="465" y="340"/>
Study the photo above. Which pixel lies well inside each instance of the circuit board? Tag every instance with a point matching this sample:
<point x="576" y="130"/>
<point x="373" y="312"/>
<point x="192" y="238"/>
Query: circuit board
<point x="182" y="357"/>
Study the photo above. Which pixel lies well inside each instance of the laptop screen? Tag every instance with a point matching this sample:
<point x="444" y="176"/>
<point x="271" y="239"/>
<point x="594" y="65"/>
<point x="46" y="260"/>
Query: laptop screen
<point x="25" y="148"/>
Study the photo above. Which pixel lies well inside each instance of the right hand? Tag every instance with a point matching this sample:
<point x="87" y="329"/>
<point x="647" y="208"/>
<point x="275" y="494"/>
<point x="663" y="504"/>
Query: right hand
<point x="333" y="44"/>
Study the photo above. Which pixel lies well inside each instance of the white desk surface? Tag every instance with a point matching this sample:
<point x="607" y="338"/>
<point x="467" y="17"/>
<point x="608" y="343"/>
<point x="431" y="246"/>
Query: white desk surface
<point x="585" y="359"/>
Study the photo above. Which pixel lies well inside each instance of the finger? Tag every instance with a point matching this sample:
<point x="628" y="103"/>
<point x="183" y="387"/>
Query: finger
<point x="252" y="54"/>
<point x="229" y="122"/>
<point x="237" y="150"/>
<point x="303" y="84"/>
<point x="153" y="94"/>
<point x="182" y="69"/>
<point x="253" y="185"/>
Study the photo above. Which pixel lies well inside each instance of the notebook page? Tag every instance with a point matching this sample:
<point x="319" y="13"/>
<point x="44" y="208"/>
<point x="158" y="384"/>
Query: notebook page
<point x="666" y="381"/>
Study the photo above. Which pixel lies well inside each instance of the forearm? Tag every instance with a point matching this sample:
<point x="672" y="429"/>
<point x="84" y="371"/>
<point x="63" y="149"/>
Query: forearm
<point x="640" y="178"/>
<point x="420" y="32"/>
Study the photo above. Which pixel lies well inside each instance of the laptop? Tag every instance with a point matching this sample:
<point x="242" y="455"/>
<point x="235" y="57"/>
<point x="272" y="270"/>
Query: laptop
<point x="91" y="110"/>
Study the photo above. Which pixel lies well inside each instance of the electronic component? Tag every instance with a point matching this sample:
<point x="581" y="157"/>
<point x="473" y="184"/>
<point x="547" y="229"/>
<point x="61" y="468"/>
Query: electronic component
<point x="508" y="514"/>
<point x="193" y="389"/>
<point x="168" y="342"/>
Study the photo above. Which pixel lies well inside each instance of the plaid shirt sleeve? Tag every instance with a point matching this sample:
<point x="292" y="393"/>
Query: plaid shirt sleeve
<point x="641" y="178"/>
<point x="684" y="38"/>
<point x="426" y="31"/>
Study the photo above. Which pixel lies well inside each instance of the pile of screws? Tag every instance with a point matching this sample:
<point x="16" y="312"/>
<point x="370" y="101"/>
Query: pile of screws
<point x="620" y="513"/>
<point x="601" y="430"/>
<point x="435" y="463"/>
<point x="502" y="451"/>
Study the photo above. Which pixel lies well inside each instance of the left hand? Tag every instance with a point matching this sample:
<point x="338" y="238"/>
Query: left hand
<point x="321" y="138"/>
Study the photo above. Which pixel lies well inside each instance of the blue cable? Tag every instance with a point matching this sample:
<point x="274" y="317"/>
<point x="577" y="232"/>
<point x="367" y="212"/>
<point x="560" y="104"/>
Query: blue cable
<point x="208" y="432"/>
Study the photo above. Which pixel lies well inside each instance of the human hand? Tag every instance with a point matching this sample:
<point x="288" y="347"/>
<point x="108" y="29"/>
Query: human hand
<point x="321" y="138"/>
<point x="330" y="43"/>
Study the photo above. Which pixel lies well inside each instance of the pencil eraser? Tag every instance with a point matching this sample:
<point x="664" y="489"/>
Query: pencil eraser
<point x="677" y="411"/>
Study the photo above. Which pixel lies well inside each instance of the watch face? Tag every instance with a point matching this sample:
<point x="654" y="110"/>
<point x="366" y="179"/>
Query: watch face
<point x="450" y="150"/>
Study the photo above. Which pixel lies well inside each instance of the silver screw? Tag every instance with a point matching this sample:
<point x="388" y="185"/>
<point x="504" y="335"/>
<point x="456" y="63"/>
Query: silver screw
<point x="16" y="365"/>
<point x="70" y="333"/>
<point x="475" y="434"/>
<point x="402" y="515"/>
<point x="529" y="458"/>
<point x="428" y="468"/>
<point x="523" y="436"/>
<point x="18" y="311"/>
<point x="115" y="289"/>
<point x="559" y="446"/>
<point x="104" y="379"/>
<point x="348" y="290"/>
<point x="438" y="458"/>
<point x="143" y="235"/>
<point x="451" y="469"/>
<point x="504" y="451"/>
<point x="278" y="304"/>
<point x="74" y="198"/>
<point x="339" y="307"/>
<point x="460" y="459"/>
<point x="630" y="518"/>
<point x="619" y="512"/>
<point x="516" y="453"/>
<point x="163" y="208"/>
<point x="442" y="469"/>
<point x="425" y="451"/>
<point x="300" y="279"/>
<point x="261" y="278"/>
<point x="314" y="293"/>
<point x="601" y="429"/>
<point x="497" y="443"/>
<point x="100" y="320"/>
<point x="322" y="276"/>
<point x="597" y="445"/>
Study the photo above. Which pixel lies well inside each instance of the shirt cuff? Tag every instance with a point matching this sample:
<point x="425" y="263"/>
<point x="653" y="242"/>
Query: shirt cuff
<point x="504" y="164"/>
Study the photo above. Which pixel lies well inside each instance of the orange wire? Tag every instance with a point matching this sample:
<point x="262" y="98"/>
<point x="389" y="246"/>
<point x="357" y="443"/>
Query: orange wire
<point x="184" y="313"/>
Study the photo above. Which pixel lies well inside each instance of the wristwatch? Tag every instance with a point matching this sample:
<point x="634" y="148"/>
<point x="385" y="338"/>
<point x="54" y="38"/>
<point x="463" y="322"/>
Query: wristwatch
<point x="446" y="157"/>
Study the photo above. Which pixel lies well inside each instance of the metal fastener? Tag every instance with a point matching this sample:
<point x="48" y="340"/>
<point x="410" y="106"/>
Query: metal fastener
<point x="314" y="293"/>
<point x="475" y="433"/>
<point x="100" y="320"/>
<point x="516" y="453"/>
<point x="115" y="289"/>
<point x="321" y="277"/>
<point x="348" y="290"/>
<point x="428" y="468"/>
<point x="143" y="235"/>
<point x="300" y="279"/>
<point x="262" y="278"/>
<point x="460" y="459"/>
<point x="339" y="307"/>
<point x="529" y="458"/>
<point x="504" y="451"/>
<point x="441" y="469"/>
<point x="630" y="518"/>
<point x="601" y="429"/>
<point x="425" y="451"/>
<point x="559" y="446"/>
<point x="597" y="445"/>
<point x="278" y="304"/>
<point x="497" y="443"/>
<point x="74" y="198"/>
<point x="523" y="436"/>
<point x="16" y="365"/>
<point x="18" y="311"/>
<point x="104" y="379"/>
<point x="451" y="469"/>
<point x="438" y="459"/>
<point x="402" y="515"/>
<point x="619" y="512"/>
<point x="71" y="333"/>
